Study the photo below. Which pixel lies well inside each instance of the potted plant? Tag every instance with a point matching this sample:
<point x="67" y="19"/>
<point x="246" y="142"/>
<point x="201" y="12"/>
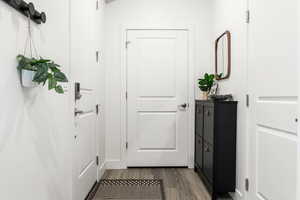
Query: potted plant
<point x="205" y="84"/>
<point x="39" y="71"/>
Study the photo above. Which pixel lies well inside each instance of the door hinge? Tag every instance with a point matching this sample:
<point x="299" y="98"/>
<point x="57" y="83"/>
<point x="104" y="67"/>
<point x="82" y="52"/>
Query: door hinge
<point x="126" y="95"/>
<point x="97" y="56"/>
<point x="248" y="16"/>
<point x="247" y="184"/>
<point x="97" y="160"/>
<point x="247" y="100"/>
<point x="126" y="145"/>
<point x="97" y="5"/>
<point x="127" y="43"/>
<point x="97" y="109"/>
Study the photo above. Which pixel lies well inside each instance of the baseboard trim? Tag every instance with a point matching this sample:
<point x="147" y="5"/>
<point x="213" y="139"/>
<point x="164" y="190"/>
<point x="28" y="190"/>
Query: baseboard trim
<point x="115" y="164"/>
<point x="238" y="195"/>
<point x="101" y="170"/>
<point x="92" y="192"/>
<point x="94" y="189"/>
<point x="158" y="167"/>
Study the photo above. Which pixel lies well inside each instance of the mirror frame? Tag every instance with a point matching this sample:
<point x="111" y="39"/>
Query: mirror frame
<point x="228" y="35"/>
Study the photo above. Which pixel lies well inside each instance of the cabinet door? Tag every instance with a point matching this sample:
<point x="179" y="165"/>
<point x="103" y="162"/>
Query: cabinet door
<point x="208" y="163"/>
<point x="199" y="120"/>
<point x="199" y="151"/>
<point x="209" y="124"/>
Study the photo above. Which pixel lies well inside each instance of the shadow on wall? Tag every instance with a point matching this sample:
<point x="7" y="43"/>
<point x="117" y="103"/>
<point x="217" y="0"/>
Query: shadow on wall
<point x="109" y="1"/>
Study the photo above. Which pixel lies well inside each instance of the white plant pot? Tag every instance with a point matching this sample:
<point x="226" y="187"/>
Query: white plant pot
<point x="204" y="96"/>
<point x="27" y="77"/>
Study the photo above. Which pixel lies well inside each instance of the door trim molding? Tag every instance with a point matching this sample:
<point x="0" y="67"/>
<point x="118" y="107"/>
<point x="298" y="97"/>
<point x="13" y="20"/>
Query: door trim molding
<point x="298" y="117"/>
<point x="191" y="87"/>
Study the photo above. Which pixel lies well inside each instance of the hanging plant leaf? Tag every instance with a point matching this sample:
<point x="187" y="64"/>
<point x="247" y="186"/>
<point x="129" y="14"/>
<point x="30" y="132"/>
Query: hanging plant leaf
<point x="42" y="73"/>
<point x="53" y="67"/>
<point x="59" y="89"/>
<point x="24" y="63"/>
<point x="35" y="62"/>
<point x="51" y="83"/>
<point x="60" y="77"/>
<point x="46" y="70"/>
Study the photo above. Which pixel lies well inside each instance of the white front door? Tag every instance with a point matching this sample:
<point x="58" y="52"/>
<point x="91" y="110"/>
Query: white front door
<point x="273" y="90"/>
<point x="157" y="64"/>
<point x="83" y="64"/>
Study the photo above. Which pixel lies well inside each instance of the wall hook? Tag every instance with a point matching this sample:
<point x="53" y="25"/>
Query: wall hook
<point x="41" y="17"/>
<point x="28" y="10"/>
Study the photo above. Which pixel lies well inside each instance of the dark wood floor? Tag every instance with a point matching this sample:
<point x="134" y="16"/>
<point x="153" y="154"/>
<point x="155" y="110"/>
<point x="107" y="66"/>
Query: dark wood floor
<point x="179" y="184"/>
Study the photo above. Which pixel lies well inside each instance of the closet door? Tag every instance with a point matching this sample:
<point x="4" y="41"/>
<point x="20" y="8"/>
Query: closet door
<point x="199" y="151"/>
<point x="208" y="132"/>
<point x="209" y="124"/>
<point x="273" y="90"/>
<point x="208" y="159"/>
<point x="199" y="119"/>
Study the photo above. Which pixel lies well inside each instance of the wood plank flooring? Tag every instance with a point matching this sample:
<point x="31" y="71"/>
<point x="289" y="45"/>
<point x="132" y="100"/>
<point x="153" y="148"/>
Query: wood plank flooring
<point x="179" y="183"/>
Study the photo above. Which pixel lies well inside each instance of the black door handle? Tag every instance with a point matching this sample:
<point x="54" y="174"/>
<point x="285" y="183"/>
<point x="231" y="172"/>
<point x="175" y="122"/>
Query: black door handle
<point x="184" y="105"/>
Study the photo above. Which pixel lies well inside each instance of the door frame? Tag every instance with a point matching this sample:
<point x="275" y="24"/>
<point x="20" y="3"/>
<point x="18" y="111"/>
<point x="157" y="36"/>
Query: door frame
<point x="191" y="88"/>
<point x="298" y="183"/>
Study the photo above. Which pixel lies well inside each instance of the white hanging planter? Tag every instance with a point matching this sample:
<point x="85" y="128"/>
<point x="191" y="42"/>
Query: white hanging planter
<point x="27" y="77"/>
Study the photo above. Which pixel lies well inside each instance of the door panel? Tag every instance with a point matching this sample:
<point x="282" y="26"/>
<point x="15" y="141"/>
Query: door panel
<point x="273" y="90"/>
<point x="86" y="144"/>
<point x="157" y="72"/>
<point x="84" y="153"/>
<point x="199" y="151"/>
<point x="208" y="161"/>
<point x="209" y="124"/>
<point x="157" y="84"/>
<point x="283" y="164"/>
<point x="279" y="113"/>
<point x="157" y="131"/>
<point x="199" y="120"/>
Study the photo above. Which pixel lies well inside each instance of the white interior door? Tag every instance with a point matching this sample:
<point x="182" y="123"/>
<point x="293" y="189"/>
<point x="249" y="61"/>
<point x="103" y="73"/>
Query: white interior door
<point x="85" y="165"/>
<point x="157" y="64"/>
<point x="83" y="65"/>
<point x="273" y="90"/>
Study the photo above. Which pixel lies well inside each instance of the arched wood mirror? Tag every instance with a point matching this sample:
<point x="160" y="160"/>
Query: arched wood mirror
<point x="223" y="56"/>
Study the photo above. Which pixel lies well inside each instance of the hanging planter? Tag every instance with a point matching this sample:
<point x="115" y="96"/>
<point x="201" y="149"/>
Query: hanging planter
<point x="39" y="71"/>
<point x="27" y="77"/>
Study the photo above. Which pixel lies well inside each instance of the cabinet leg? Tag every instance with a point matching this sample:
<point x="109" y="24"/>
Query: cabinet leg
<point x="213" y="197"/>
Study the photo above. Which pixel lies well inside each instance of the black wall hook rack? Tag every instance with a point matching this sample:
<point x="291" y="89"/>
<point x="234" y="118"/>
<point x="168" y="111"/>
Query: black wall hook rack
<point x="28" y="10"/>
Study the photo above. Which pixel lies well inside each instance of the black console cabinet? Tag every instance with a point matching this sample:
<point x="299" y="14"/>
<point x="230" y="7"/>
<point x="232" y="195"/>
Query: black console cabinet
<point x="215" y="145"/>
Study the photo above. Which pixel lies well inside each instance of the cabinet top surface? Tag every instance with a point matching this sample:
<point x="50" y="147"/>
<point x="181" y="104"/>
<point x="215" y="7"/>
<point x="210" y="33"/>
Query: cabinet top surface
<point x="216" y="102"/>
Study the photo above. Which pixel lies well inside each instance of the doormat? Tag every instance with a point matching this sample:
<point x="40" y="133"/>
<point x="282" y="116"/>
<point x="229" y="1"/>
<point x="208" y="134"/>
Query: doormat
<point x="134" y="189"/>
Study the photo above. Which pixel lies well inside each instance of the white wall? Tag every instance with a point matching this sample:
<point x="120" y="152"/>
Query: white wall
<point x="35" y="136"/>
<point x="147" y="13"/>
<point x="230" y="15"/>
<point x="36" y="129"/>
<point x="298" y="194"/>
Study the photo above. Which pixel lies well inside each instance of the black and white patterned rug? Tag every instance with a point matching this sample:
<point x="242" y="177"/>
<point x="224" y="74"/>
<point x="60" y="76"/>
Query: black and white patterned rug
<point x="133" y="189"/>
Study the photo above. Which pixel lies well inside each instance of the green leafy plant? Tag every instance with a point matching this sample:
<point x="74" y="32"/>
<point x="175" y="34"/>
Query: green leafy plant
<point x="206" y="83"/>
<point x="45" y="70"/>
